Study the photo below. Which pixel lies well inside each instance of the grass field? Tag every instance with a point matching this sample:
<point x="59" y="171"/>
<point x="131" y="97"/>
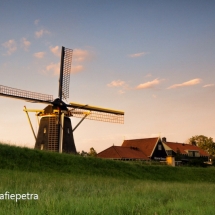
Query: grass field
<point x="69" y="184"/>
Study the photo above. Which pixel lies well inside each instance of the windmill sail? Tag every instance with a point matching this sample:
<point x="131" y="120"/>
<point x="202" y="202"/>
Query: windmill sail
<point x="96" y="113"/>
<point x="25" y="95"/>
<point x="63" y="93"/>
<point x="99" y="116"/>
<point x="65" y="69"/>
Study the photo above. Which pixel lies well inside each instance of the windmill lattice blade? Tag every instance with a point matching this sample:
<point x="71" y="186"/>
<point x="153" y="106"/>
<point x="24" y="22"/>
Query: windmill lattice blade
<point x="67" y="62"/>
<point x="25" y="95"/>
<point x="94" y="108"/>
<point x="98" y="116"/>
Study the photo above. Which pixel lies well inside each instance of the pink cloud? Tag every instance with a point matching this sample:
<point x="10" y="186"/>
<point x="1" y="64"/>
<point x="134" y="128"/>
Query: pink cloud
<point x="80" y="55"/>
<point x="208" y="85"/>
<point x="54" y="68"/>
<point x="39" y="54"/>
<point x="185" y="84"/>
<point x="149" y="84"/>
<point x="76" y="69"/>
<point x="116" y="83"/>
<point x="55" y="50"/>
<point x="25" y="43"/>
<point x="11" y="46"/>
<point x="40" y="33"/>
<point x="137" y="54"/>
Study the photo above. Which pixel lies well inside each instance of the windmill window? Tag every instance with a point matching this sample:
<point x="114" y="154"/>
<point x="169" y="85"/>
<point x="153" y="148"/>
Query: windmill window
<point x="159" y="147"/>
<point x="67" y="130"/>
<point x="44" y="130"/>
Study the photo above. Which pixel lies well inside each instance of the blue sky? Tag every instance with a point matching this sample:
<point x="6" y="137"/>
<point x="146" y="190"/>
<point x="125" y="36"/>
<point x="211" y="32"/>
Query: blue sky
<point x="152" y="59"/>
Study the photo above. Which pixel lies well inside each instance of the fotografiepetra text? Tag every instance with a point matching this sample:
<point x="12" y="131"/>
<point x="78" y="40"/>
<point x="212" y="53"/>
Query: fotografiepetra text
<point x="16" y="196"/>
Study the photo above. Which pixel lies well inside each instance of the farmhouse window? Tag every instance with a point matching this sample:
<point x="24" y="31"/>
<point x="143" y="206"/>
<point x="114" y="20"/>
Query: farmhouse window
<point x="169" y="152"/>
<point x="190" y="154"/>
<point x="197" y="154"/>
<point x="193" y="154"/>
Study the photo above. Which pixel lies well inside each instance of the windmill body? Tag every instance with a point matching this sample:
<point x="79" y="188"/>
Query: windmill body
<point x="48" y="134"/>
<point x="55" y="131"/>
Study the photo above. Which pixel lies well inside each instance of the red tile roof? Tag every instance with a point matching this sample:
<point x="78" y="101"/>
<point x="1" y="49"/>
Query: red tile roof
<point x="146" y="145"/>
<point x="143" y="149"/>
<point x="118" y="152"/>
<point x="182" y="147"/>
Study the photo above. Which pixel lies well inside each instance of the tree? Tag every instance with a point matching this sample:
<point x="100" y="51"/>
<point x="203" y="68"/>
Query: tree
<point x="203" y="142"/>
<point x="92" y="152"/>
<point x="82" y="153"/>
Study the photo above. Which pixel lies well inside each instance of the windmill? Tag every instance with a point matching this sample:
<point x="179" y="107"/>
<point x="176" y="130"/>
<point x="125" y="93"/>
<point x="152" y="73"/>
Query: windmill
<point x="55" y="131"/>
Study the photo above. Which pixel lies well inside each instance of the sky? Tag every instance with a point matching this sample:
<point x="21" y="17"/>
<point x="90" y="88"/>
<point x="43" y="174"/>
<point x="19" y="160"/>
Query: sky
<point x="153" y="59"/>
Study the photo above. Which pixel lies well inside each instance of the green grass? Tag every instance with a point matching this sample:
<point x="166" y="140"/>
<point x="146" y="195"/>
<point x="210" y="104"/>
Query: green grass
<point x="69" y="184"/>
<point x="72" y="194"/>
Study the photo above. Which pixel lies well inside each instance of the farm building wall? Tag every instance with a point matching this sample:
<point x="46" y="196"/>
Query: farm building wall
<point x="159" y="152"/>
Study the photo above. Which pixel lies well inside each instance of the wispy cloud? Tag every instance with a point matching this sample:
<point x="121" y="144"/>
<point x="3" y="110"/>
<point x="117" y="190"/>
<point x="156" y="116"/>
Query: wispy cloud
<point x="55" y="50"/>
<point x="11" y="46"/>
<point x="39" y="34"/>
<point x="39" y="54"/>
<point x="78" y="58"/>
<point x="25" y="44"/>
<point x="54" y="68"/>
<point x="121" y="92"/>
<point x="137" y="54"/>
<point x="208" y="85"/>
<point x="36" y="22"/>
<point x="117" y="83"/>
<point x="148" y="75"/>
<point x="149" y="84"/>
<point x="76" y="69"/>
<point x="121" y="85"/>
<point x="185" y="84"/>
<point x="80" y="55"/>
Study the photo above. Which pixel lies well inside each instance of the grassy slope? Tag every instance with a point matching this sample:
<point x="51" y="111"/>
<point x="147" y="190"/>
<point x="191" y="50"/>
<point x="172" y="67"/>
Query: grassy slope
<point x="23" y="159"/>
<point x="69" y="184"/>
